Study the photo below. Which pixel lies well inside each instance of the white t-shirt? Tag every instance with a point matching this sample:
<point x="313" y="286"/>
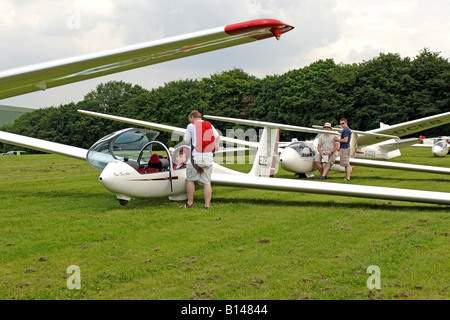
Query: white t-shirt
<point x="327" y="142"/>
<point x="190" y="136"/>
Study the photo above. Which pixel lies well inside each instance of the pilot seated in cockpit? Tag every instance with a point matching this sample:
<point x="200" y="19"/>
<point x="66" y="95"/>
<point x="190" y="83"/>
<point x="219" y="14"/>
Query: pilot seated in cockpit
<point x="180" y="160"/>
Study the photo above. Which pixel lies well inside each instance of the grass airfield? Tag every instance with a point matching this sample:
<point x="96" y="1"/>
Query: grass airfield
<point x="251" y="244"/>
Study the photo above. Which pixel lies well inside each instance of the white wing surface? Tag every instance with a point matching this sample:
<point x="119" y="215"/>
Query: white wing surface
<point x="56" y="73"/>
<point x="162" y="127"/>
<point x="270" y="125"/>
<point x="405" y="128"/>
<point x="397" y="144"/>
<point x="43" y="145"/>
<point x="142" y="123"/>
<point x="398" y="166"/>
<point x="339" y="189"/>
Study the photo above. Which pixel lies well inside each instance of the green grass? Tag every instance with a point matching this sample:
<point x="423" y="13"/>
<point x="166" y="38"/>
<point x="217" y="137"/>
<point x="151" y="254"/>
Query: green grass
<point x="251" y="244"/>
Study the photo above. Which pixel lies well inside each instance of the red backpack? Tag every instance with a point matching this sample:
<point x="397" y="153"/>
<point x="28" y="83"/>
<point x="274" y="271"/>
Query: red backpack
<point x="204" y="133"/>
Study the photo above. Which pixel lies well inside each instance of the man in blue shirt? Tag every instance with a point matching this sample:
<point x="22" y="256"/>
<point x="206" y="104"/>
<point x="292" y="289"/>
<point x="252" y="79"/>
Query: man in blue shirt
<point x="345" y="148"/>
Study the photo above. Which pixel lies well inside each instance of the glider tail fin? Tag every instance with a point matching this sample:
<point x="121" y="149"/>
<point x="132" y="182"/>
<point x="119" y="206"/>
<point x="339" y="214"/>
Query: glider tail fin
<point x="265" y="163"/>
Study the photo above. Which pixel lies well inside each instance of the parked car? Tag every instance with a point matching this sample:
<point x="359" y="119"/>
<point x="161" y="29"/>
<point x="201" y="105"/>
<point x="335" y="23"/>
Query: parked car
<point x="12" y="153"/>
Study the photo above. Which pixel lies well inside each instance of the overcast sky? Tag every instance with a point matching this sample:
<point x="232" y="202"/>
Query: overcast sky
<point x="33" y="31"/>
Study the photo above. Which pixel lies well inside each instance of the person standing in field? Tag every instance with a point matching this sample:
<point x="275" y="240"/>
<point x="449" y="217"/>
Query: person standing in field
<point x="327" y="155"/>
<point x="203" y="139"/>
<point x="345" y="149"/>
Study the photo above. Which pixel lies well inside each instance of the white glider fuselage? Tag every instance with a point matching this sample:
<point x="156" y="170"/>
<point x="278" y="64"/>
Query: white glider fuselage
<point x="298" y="157"/>
<point x="441" y="147"/>
<point x="126" y="182"/>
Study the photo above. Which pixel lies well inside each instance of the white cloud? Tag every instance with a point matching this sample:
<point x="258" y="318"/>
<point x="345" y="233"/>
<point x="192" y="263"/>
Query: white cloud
<point x="7" y="15"/>
<point x="88" y="41"/>
<point x="100" y="8"/>
<point x="403" y="27"/>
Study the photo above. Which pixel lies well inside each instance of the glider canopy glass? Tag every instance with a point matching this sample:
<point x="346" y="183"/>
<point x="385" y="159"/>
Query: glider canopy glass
<point x="126" y="143"/>
<point x="304" y="149"/>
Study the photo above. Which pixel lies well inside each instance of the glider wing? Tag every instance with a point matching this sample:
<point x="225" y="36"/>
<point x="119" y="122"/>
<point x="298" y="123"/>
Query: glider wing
<point x="56" y="73"/>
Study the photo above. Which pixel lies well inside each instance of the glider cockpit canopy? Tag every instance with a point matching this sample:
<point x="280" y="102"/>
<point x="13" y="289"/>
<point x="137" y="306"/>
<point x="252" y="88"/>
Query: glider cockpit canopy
<point x="304" y="149"/>
<point x="126" y="143"/>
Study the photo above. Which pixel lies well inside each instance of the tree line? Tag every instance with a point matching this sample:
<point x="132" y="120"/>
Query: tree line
<point x="388" y="89"/>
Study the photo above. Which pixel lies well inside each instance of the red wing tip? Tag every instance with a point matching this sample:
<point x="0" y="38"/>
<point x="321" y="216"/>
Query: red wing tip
<point x="276" y="27"/>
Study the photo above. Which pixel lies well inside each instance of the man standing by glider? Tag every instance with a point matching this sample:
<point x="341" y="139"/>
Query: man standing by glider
<point x="203" y="139"/>
<point x="345" y="148"/>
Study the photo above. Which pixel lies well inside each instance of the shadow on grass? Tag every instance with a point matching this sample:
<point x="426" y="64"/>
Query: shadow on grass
<point x="354" y="204"/>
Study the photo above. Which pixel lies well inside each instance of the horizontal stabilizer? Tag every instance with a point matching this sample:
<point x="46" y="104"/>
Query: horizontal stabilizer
<point x="398" y="144"/>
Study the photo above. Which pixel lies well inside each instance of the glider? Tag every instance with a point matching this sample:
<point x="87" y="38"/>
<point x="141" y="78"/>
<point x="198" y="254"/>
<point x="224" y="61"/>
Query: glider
<point x="298" y="156"/>
<point x="440" y="146"/>
<point x="131" y="167"/>
<point x="384" y="143"/>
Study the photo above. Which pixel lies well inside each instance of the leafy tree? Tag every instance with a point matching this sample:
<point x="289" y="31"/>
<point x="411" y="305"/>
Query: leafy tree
<point x="379" y="91"/>
<point x="387" y="88"/>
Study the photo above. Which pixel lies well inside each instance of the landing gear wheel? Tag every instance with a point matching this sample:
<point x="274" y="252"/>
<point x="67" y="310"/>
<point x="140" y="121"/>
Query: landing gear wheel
<point x="123" y="202"/>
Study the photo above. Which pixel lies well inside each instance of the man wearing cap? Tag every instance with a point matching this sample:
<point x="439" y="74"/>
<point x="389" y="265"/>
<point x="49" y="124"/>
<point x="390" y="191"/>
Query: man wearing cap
<point x="326" y="156"/>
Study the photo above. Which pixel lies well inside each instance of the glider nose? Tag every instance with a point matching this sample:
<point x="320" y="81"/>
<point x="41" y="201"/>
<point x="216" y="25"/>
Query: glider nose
<point x="114" y="177"/>
<point x="288" y="159"/>
<point x="438" y="151"/>
<point x="105" y="178"/>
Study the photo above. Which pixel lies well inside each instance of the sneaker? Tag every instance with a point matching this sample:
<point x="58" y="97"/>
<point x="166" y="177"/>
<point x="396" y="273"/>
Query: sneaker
<point x="322" y="178"/>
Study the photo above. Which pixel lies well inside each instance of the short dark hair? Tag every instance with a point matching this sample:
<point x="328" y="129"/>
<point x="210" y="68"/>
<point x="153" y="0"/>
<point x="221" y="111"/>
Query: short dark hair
<point x="195" y="114"/>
